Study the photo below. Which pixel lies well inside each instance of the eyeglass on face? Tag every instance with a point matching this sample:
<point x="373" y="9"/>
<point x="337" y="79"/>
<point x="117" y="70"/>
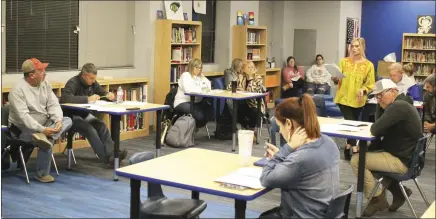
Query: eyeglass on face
<point x="380" y="95"/>
<point x="199" y="67"/>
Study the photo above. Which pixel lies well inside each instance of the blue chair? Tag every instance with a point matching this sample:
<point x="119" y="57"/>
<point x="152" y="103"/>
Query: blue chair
<point x="218" y="83"/>
<point x="415" y="167"/>
<point x="339" y="205"/>
<point x="415" y="92"/>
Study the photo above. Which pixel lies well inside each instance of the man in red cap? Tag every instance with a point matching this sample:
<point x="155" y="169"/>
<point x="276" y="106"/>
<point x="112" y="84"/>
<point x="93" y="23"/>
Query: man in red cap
<point x="35" y="115"/>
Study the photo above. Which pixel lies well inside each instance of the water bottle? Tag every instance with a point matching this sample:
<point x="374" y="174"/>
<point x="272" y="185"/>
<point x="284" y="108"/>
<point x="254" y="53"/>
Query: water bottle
<point x="120" y="95"/>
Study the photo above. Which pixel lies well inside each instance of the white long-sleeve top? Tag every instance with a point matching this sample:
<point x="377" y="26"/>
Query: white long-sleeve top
<point x="318" y="74"/>
<point x="187" y="84"/>
<point x="31" y="107"/>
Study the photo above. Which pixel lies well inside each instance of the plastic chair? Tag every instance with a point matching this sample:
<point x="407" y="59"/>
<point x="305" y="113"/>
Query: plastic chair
<point x="415" y="93"/>
<point x="339" y="205"/>
<point x="218" y="83"/>
<point x="415" y="167"/>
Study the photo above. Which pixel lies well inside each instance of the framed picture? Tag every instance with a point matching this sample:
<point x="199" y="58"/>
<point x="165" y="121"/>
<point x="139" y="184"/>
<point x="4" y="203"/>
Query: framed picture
<point x="159" y="14"/>
<point x="352" y="32"/>
<point x="425" y="24"/>
<point x="174" y="10"/>
<point x="185" y="15"/>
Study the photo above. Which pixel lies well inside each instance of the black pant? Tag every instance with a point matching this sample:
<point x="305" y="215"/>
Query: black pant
<point x="350" y="113"/>
<point x="203" y="111"/>
<point x="247" y="116"/>
<point x="271" y="214"/>
<point x="295" y="91"/>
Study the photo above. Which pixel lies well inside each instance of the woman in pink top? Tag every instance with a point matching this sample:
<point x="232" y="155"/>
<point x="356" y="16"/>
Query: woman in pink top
<point x="293" y="79"/>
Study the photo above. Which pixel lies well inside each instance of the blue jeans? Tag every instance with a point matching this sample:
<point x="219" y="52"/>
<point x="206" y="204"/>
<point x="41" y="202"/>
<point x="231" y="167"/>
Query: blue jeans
<point x="317" y="88"/>
<point x="274" y="129"/>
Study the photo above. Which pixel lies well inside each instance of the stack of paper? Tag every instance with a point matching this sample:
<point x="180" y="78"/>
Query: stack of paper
<point x="247" y="176"/>
<point x="133" y="103"/>
<point x="334" y="70"/>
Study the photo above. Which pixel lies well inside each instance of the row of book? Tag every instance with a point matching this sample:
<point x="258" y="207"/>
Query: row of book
<point x="419" y="57"/>
<point x="253" y="54"/>
<point x="424" y="69"/>
<point x="253" y="38"/>
<point x="420" y="43"/>
<point x="184" y="35"/>
<point x="176" y="71"/>
<point x="180" y="54"/>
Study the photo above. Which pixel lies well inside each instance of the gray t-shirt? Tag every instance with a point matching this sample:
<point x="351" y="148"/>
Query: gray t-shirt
<point x="31" y="107"/>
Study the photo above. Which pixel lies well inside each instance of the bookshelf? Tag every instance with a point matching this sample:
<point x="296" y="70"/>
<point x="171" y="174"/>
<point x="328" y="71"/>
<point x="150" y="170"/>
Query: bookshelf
<point x="273" y="84"/>
<point x="176" y="42"/>
<point x="420" y="49"/>
<point x="133" y="126"/>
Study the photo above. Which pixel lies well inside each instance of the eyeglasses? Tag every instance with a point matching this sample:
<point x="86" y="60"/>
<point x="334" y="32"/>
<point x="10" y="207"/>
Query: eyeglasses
<point x="199" y="67"/>
<point x="380" y="95"/>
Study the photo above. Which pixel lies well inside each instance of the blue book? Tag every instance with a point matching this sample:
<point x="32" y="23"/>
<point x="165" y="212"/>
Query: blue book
<point x="261" y="162"/>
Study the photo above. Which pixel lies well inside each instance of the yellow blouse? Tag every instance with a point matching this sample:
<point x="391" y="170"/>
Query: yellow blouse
<point x="357" y="76"/>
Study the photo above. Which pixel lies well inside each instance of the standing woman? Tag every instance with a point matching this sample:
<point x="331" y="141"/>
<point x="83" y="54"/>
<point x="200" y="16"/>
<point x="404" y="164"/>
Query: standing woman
<point x="293" y="79"/>
<point x="194" y="81"/>
<point x="352" y="90"/>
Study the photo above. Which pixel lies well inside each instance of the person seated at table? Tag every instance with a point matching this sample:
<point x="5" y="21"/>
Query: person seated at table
<point x="317" y="77"/>
<point x="402" y="81"/>
<point x="194" y="81"/>
<point x="35" y="115"/>
<point x="408" y="71"/>
<point x="352" y="90"/>
<point x="430" y="104"/>
<point x="293" y="79"/>
<point x="84" y="88"/>
<point x="230" y="75"/>
<point x="249" y="81"/>
<point x="398" y="129"/>
<point x="306" y="169"/>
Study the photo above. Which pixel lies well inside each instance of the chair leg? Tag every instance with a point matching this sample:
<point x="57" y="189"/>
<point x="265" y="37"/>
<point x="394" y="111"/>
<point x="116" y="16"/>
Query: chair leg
<point x="54" y="163"/>
<point x="162" y="138"/>
<point x="97" y="156"/>
<point x="6" y="150"/>
<point x="422" y="193"/>
<point x="207" y="130"/>
<point x="261" y="126"/>
<point x="407" y="199"/>
<point x="373" y="192"/>
<point x="24" y="165"/>
<point x="74" y="157"/>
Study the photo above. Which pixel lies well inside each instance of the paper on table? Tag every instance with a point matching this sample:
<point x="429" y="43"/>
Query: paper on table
<point x="248" y="93"/>
<point x="337" y="127"/>
<point x="247" y="176"/>
<point x="102" y="102"/>
<point x="334" y="70"/>
<point x="132" y="103"/>
<point x="296" y="78"/>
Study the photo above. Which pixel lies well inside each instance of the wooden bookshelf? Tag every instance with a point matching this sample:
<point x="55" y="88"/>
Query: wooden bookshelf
<point x="108" y="85"/>
<point x="163" y="46"/>
<point x="248" y="39"/>
<point x="419" y="49"/>
<point x="273" y="84"/>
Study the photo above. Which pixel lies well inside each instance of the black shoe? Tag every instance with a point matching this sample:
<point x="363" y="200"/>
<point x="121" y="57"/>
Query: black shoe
<point x="347" y="154"/>
<point x="122" y="154"/>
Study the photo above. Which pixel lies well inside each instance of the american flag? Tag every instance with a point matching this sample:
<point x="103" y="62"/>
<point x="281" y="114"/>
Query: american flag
<point x="352" y="32"/>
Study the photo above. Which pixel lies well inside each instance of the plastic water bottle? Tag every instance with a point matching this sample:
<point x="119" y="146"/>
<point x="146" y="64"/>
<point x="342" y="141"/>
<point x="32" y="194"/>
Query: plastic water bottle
<point x="120" y="95"/>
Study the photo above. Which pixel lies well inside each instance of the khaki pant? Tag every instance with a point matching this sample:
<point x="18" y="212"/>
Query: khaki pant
<point x="377" y="161"/>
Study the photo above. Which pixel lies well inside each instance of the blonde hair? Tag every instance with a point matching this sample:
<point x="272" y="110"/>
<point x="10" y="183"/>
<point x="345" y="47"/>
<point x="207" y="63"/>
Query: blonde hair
<point x="362" y="44"/>
<point x="245" y="65"/>
<point x="194" y="63"/>
<point x="236" y="62"/>
<point x="408" y="69"/>
<point x="396" y="67"/>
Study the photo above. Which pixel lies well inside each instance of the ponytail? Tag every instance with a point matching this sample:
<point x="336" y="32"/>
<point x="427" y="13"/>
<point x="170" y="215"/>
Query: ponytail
<point x="310" y="124"/>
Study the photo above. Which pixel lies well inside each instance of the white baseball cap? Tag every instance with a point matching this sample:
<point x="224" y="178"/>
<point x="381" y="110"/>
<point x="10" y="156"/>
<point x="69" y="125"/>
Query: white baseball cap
<point x="382" y="85"/>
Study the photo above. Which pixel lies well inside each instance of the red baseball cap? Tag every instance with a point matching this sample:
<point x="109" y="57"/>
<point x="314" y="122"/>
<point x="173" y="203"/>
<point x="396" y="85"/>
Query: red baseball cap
<point x="33" y="64"/>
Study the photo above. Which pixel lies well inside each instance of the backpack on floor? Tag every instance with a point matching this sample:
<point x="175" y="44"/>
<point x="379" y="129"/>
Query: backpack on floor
<point x="181" y="134"/>
<point x="224" y="128"/>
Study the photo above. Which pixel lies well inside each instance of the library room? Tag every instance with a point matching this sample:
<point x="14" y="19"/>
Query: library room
<point x="218" y="109"/>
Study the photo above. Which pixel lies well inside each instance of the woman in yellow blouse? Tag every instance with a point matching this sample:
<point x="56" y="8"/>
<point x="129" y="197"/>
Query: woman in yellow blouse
<point x="353" y="89"/>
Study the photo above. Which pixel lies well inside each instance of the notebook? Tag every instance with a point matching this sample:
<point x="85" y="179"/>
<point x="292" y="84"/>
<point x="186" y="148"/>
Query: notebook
<point x="248" y="177"/>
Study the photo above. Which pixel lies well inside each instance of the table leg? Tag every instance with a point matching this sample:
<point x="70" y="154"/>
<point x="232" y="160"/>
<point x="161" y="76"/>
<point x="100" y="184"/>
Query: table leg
<point x="217" y="113"/>
<point x="115" y="133"/>
<point x="195" y="195"/>
<point x="240" y="207"/>
<point x="159" y="114"/>
<point x="70" y="135"/>
<point x="234" y="119"/>
<point x="192" y="105"/>
<point x="258" y="118"/>
<point x="135" y="194"/>
<point x="360" y="176"/>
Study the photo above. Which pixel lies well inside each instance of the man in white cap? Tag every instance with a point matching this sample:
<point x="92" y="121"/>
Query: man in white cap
<point x="35" y="114"/>
<point x="400" y="127"/>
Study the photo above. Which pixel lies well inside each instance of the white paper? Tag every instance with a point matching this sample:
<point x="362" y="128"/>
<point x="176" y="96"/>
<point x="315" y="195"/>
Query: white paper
<point x="102" y="103"/>
<point x="247" y="176"/>
<point x="248" y="93"/>
<point x="337" y="127"/>
<point x="296" y="78"/>
<point x="391" y="57"/>
<point x="334" y="70"/>
<point x="132" y="103"/>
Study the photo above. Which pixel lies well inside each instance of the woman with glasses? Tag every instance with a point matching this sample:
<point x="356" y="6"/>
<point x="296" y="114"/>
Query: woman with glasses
<point x="352" y="90"/>
<point x="194" y="81"/>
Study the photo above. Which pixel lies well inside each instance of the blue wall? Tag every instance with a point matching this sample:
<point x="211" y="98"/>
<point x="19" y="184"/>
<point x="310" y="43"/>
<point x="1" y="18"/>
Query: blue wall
<point x="384" y="22"/>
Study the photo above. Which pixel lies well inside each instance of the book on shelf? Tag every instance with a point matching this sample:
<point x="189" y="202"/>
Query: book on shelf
<point x="176" y="71"/>
<point x="424" y="69"/>
<point x="180" y="54"/>
<point x="423" y="56"/>
<point x="253" y="54"/>
<point x="253" y="38"/>
<point x="420" y="43"/>
<point x="132" y="121"/>
<point x="183" y="35"/>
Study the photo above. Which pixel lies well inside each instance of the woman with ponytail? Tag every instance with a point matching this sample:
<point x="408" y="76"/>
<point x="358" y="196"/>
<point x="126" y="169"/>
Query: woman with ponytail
<point x="306" y="169"/>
